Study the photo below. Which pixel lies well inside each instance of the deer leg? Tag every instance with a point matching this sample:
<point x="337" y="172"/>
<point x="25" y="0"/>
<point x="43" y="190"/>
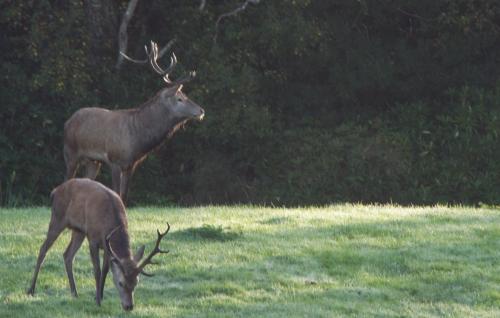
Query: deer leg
<point x="71" y="163"/>
<point x="94" y="255"/>
<point x="105" y="269"/>
<point x="71" y="168"/>
<point x="52" y="234"/>
<point x="92" y="169"/>
<point x="126" y="175"/>
<point x="116" y="173"/>
<point x="76" y="241"/>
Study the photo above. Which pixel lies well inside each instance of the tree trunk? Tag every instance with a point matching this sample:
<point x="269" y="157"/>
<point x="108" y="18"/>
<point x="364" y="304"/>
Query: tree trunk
<point x="102" y="22"/>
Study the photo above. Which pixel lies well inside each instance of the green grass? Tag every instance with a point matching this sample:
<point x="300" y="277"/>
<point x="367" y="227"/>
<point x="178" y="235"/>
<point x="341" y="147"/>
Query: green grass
<point x="341" y="260"/>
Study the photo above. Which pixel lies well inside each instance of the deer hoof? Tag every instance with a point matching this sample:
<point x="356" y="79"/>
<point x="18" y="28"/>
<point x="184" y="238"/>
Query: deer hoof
<point x="30" y="291"/>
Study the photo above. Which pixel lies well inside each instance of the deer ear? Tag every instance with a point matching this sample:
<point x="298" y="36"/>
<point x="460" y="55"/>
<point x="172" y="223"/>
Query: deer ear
<point x="139" y="254"/>
<point x="171" y="91"/>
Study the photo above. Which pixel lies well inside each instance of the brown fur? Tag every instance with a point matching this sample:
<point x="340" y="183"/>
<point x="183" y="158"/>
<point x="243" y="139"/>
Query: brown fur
<point x="91" y="210"/>
<point x="123" y="138"/>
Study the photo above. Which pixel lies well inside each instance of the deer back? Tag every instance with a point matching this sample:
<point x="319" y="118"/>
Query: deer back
<point x="89" y="207"/>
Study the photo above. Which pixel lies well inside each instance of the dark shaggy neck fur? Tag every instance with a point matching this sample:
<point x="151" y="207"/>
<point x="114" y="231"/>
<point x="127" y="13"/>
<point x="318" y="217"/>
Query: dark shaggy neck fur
<point x="151" y="124"/>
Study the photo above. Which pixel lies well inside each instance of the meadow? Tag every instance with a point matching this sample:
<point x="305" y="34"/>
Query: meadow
<point x="246" y="261"/>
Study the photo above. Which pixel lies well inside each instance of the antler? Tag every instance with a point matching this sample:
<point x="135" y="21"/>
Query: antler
<point x="152" y="58"/>
<point x="156" y="250"/>
<point x="110" y="249"/>
<point x="182" y="80"/>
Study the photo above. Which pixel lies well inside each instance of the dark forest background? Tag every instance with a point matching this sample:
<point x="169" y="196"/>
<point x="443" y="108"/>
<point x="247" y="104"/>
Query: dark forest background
<point x="307" y="102"/>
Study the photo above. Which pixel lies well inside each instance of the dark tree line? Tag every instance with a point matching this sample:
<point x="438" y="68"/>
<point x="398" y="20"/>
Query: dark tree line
<point x="307" y="102"/>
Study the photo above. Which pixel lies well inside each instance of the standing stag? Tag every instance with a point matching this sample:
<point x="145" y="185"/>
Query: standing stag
<point x="123" y="138"/>
<point x="90" y="209"/>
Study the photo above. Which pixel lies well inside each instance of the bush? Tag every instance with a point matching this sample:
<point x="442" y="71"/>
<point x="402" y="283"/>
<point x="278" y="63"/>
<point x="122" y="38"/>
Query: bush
<point x="307" y="102"/>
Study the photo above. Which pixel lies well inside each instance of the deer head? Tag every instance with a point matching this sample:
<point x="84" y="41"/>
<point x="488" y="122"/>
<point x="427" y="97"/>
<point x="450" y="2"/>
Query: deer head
<point x="126" y="271"/>
<point x="172" y="96"/>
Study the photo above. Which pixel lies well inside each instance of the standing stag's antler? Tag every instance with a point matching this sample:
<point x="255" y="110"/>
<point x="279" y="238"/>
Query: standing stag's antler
<point x="156" y="250"/>
<point x="152" y="59"/>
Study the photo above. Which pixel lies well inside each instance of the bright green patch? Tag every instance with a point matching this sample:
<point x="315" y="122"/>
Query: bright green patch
<point x="342" y="260"/>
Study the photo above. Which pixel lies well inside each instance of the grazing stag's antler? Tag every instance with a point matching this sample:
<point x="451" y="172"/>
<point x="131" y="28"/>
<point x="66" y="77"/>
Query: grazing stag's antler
<point x="114" y="257"/>
<point x="104" y="228"/>
<point x="108" y="238"/>
<point x="156" y="250"/>
<point x="152" y="59"/>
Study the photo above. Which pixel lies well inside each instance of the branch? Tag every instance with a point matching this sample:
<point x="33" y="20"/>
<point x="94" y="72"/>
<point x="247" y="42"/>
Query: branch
<point x="122" y="34"/>
<point x="167" y="47"/>
<point x="242" y="7"/>
<point x="412" y="15"/>
<point x="203" y="3"/>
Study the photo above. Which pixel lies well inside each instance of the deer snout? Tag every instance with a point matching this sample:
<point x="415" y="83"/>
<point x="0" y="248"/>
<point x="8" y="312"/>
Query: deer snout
<point x="201" y="115"/>
<point x="128" y="307"/>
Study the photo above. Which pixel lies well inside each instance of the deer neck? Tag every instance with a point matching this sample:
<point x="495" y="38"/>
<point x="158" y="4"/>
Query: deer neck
<point x="120" y="244"/>
<point x="152" y="124"/>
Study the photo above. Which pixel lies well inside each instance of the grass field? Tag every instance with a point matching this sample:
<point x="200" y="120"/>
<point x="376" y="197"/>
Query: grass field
<point x="341" y="260"/>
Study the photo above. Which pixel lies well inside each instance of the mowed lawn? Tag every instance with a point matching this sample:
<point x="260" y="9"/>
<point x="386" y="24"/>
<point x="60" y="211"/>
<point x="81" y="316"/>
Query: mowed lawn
<point x="340" y="260"/>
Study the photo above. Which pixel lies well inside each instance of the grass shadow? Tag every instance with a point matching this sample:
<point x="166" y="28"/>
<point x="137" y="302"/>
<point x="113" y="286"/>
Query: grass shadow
<point x="276" y="221"/>
<point x="208" y="232"/>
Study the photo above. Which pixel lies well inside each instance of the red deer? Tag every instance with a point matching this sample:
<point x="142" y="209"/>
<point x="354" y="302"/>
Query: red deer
<point x="94" y="211"/>
<point x="123" y="138"/>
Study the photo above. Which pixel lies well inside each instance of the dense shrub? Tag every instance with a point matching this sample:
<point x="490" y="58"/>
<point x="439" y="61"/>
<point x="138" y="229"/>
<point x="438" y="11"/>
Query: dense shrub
<point x="455" y="149"/>
<point x="307" y="102"/>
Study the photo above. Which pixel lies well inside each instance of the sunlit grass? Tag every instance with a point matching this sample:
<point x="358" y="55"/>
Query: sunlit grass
<point x="342" y="260"/>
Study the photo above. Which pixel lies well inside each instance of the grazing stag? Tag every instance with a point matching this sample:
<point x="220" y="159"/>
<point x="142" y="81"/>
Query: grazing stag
<point x="123" y="138"/>
<point x="90" y="209"/>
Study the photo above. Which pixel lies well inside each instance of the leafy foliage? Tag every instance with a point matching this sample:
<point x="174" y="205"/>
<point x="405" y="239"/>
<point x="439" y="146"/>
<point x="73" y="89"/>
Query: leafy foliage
<point x="307" y="102"/>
